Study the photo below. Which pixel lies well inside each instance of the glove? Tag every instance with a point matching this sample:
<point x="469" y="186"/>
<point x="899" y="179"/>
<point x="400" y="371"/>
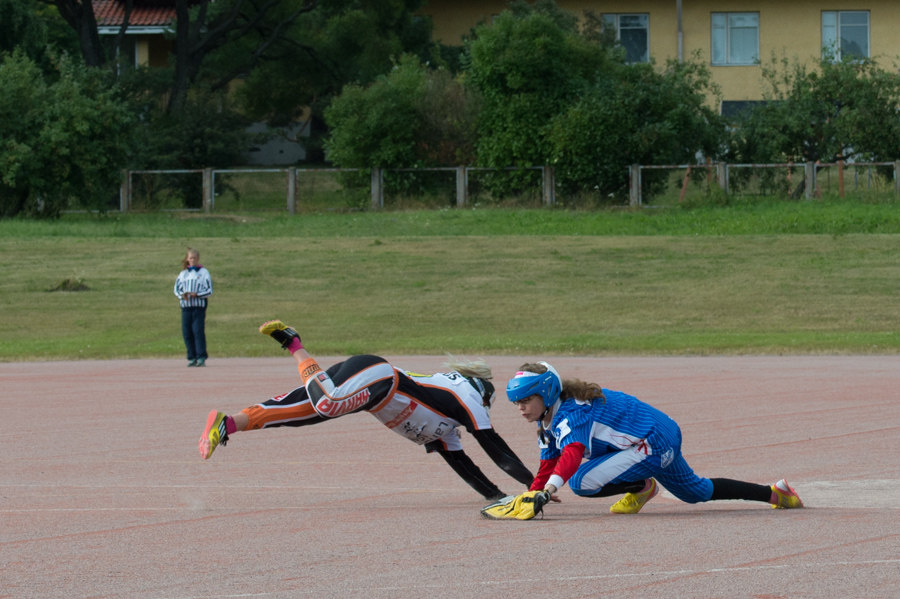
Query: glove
<point x="519" y="507"/>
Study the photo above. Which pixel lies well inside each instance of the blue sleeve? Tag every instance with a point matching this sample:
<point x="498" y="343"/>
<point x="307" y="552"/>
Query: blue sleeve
<point x="572" y="426"/>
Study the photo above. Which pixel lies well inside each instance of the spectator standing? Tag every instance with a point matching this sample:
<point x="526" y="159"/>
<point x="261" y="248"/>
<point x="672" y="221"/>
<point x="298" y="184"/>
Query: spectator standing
<point x="192" y="288"/>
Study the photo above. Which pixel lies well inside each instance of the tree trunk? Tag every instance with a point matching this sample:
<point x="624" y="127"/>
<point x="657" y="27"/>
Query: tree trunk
<point x="80" y="17"/>
<point x="183" y="47"/>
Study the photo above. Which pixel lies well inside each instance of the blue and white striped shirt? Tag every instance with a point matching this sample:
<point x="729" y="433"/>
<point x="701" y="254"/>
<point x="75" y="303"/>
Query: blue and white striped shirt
<point x="193" y="279"/>
<point x="621" y="421"/>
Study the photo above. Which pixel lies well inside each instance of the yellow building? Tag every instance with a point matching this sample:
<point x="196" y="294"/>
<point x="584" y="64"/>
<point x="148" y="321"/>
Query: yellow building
<point x="145" y="43"/>
<point x="731" y="36"/>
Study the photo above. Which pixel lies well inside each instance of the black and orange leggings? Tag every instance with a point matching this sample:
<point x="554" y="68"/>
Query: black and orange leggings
<point x="290" y="409"/>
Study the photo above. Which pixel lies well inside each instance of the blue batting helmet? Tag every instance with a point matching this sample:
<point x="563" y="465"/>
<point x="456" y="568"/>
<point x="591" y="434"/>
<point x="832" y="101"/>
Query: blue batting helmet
<point x="526" y="384"/>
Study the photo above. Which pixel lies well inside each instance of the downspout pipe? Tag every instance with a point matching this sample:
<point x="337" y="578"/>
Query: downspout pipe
<point x="680" y="31"/>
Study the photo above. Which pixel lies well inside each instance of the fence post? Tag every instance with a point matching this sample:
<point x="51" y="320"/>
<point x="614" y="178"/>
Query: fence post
<point x="897" y="176"/>
<point x="634" y="196"/>
<point x="548" y="185"/>
<point x="292" y="190"/>
<point x="841" y="177"/>
<point x="684" y="184"/>
<point x="208" y="189"/>
<point x="810" y="179"/>
<point x="462" y="187"/>
<point x="125" y="192"/>
<point x="722" y="176"/>
<point x="377" y="189"/>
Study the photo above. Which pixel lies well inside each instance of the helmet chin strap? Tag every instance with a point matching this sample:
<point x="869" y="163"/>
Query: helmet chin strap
<point x="554" y="408"/>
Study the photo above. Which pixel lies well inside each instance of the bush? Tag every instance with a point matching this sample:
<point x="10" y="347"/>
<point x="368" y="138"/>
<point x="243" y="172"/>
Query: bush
<point x="64" y="142"/>
<point x="413" y="117"/>
<point x="205" y="133"/>
<point x="376" y="126"/>
<point x="529" y="66"/>
<point x="840" y="111"/>
<point x="635" y="115"/>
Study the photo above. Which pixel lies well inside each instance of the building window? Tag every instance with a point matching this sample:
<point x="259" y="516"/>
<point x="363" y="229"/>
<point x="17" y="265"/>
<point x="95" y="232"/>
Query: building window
<point x="737" y="109"/>
<point x="735" y="38"/>
<point x="845" y="34"/>
<point x="632" y="33"/>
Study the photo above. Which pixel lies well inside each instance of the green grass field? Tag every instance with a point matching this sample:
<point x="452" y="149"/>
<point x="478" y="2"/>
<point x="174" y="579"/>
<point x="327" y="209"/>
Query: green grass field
<point x="756" y="278"/>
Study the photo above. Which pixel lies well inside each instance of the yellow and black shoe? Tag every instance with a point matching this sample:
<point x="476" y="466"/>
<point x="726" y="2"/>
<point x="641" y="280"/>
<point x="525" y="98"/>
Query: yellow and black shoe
<point x="214" y="435"/>
<point x="633" y="502"/>
<point x="280" y="332"/>
<point x="786" y="496"/>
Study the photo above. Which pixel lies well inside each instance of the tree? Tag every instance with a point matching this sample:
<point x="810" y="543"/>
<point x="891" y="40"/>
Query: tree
<point x="412" y="117"/>
<point x="210" y="26"/>
<point x="32" y="28"/>
<point x="79" y="14"/>
<point x="290" y="56"/>
<point x="342" y="42"/>
<point x="21" y="28"/>
<point x="217" y="42"/>
<point x="635" y="115"/>
<point x="201" y="27"/>
<point x="841" y="111"/>
<point x="529" y="65"/>
<point x="63" y="141"/>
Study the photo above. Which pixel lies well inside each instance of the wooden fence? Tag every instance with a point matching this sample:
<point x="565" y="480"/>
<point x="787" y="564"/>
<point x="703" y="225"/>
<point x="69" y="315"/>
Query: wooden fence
<point x="723" y="172"/>
<point x="548" y="184"/>
<point x="719" y="172"/>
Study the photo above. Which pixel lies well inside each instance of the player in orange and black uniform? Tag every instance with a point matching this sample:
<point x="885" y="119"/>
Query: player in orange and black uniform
<point x="427" y="409"/>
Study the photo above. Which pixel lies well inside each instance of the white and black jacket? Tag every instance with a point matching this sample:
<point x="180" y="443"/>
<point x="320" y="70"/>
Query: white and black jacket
<point x="193" y="279"/>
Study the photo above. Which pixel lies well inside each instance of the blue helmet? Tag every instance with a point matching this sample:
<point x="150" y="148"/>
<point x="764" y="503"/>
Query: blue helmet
<point x="526" y="384"/>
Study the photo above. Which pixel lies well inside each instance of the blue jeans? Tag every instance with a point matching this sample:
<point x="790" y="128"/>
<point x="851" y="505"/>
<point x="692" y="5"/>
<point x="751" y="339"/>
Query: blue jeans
<point x="193" y="329"/>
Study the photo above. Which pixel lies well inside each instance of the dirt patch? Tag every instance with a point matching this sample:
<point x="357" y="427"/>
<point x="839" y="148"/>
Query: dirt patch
<point x="70" y="285"/>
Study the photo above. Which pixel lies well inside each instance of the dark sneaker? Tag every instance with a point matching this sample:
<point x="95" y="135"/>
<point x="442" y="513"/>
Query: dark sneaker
<point x="280" y="332"/>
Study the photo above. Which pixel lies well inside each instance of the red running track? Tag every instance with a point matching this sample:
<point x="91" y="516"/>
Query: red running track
<point x="103" y="493"/>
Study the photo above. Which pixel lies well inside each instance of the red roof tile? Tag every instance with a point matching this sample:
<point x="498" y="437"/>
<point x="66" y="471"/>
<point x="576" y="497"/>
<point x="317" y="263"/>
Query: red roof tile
<point x="144" y="14"/>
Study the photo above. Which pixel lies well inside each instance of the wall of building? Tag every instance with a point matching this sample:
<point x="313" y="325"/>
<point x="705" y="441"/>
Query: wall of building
<point x="455" y="18"/>
<point x="792" y="29"/>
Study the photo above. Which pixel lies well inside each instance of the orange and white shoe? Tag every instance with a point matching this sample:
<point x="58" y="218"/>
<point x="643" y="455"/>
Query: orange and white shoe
<point x="633" y="502"/>
<point x="786" y="496"/>
<point x="214" y="434"/>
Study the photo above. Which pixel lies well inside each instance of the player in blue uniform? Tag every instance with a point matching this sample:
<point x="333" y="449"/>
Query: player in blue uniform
<point x="605" y="443"/>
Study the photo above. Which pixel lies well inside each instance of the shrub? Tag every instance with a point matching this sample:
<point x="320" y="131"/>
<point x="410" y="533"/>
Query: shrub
<point x="205" y="133"/>
<point x="635" y="115"/>
<point x="63" y="142"/>
<point x="841" y="110"/>
<point x="413" y="117"/>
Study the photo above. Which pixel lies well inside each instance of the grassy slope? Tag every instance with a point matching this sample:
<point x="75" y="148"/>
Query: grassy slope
<point x="789" y="278"/>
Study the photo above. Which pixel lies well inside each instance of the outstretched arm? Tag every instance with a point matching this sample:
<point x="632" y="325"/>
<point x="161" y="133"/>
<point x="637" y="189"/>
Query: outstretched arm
<point x="472" y="474"/>
<point x="565" y="467"/>
<point x="494" y="445"/>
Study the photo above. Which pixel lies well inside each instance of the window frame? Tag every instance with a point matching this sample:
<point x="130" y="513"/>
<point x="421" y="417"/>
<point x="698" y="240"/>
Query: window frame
<point x="617" y="25"/>
<point x="836" y="45"/>
<point x="728" y="61"/>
